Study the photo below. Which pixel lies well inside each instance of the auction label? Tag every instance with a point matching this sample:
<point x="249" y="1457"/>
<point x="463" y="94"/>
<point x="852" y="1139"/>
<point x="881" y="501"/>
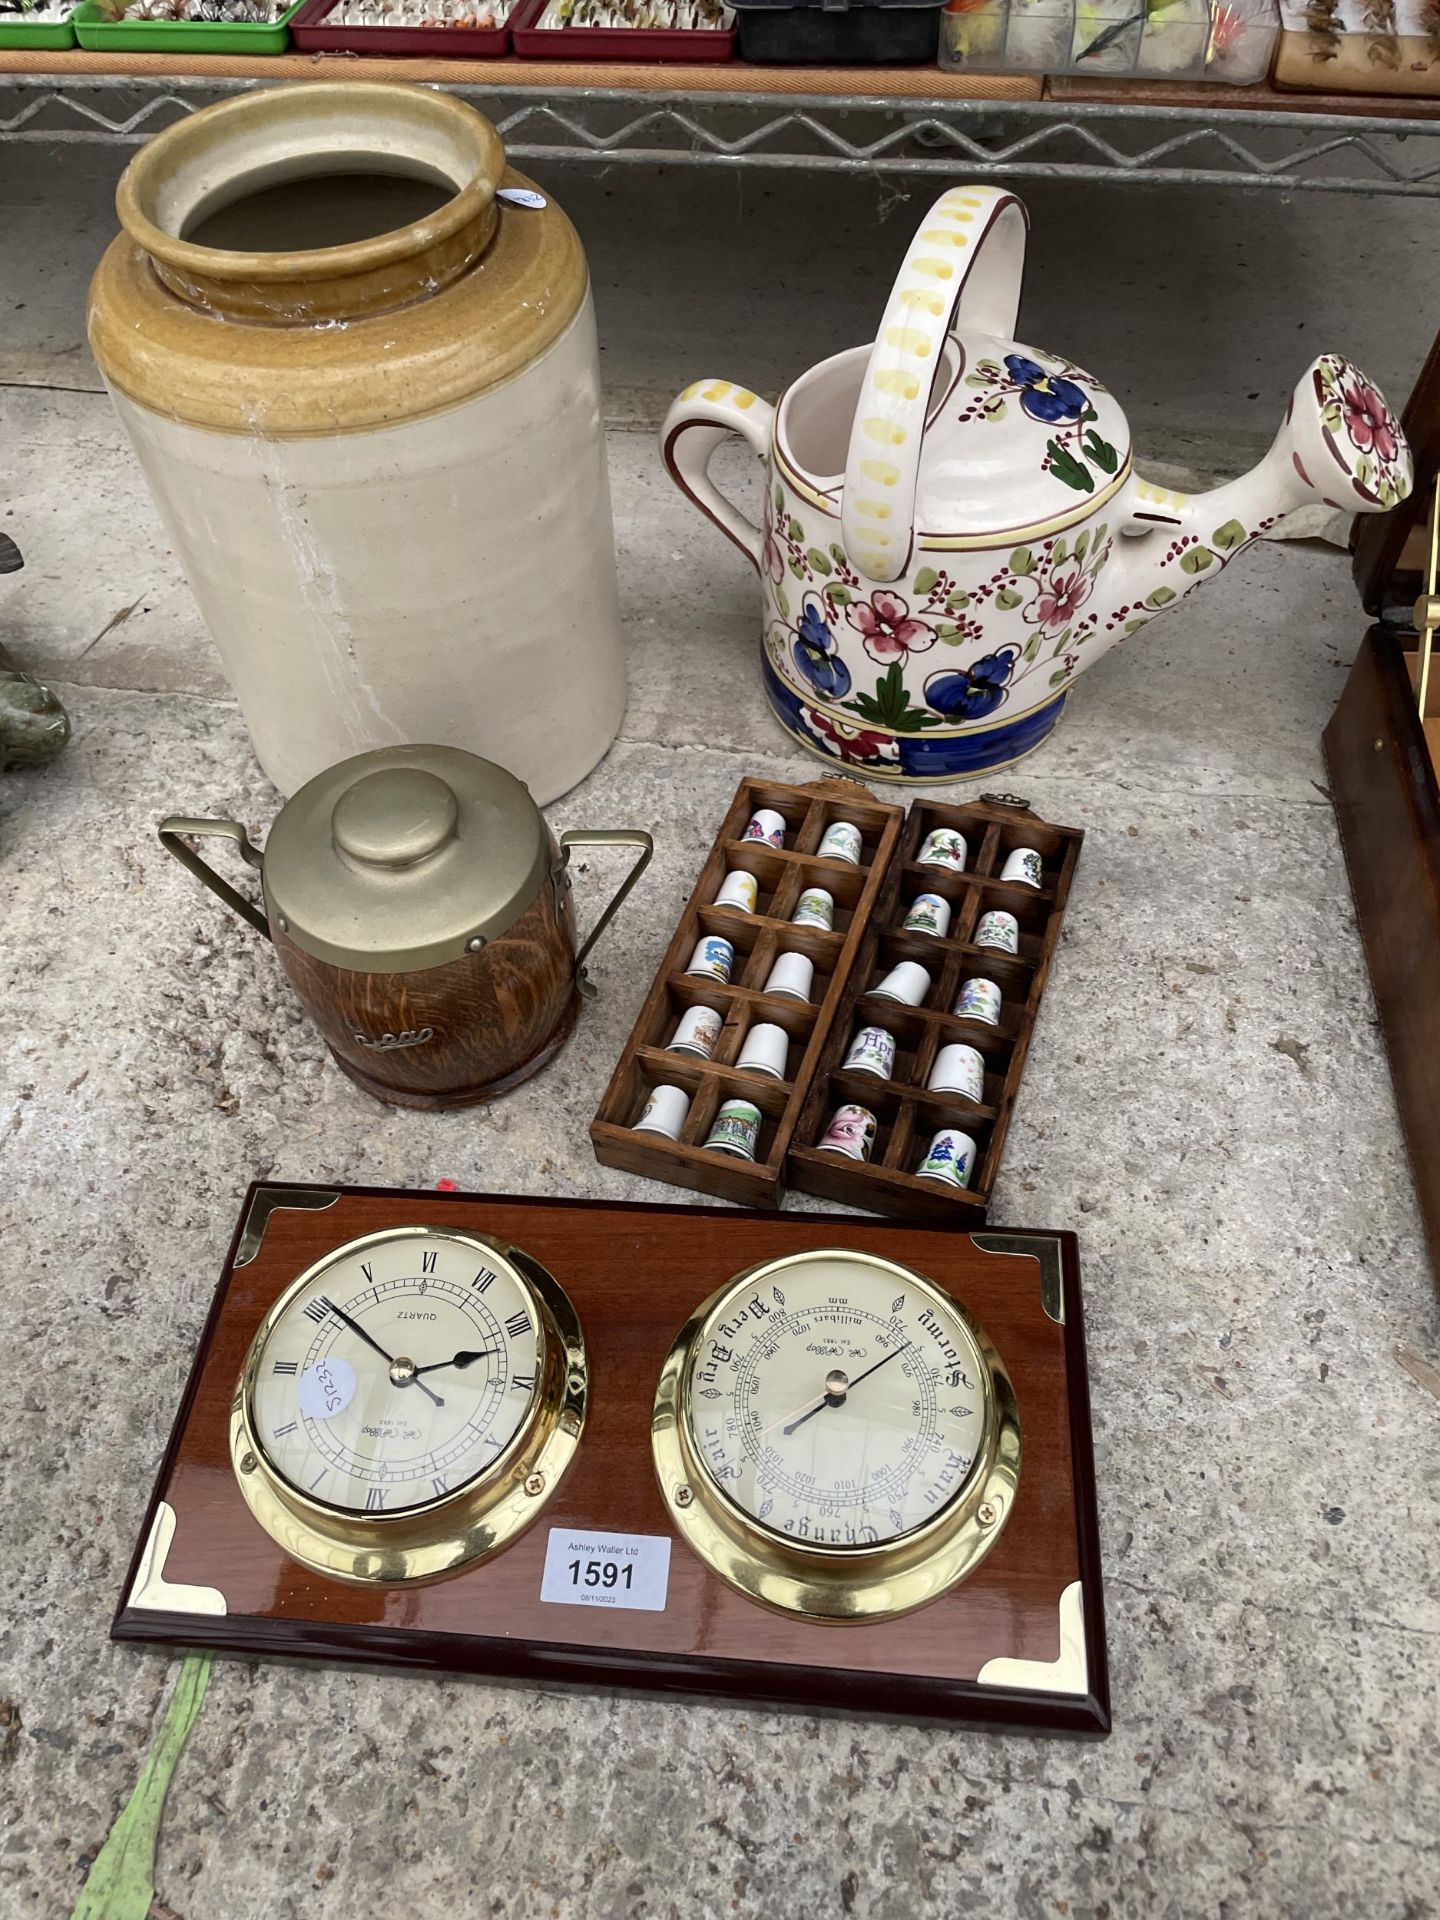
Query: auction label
<point x="585" y="1569"/>
<point x="327" y="1388"/>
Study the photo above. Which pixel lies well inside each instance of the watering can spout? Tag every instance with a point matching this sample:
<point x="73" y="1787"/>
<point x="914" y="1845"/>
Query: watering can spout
<point x="1339" y="446"/>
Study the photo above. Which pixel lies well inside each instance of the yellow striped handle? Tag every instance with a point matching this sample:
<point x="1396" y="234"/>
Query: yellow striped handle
<point x="964" y="265"/>
<point x="698" y="421"/>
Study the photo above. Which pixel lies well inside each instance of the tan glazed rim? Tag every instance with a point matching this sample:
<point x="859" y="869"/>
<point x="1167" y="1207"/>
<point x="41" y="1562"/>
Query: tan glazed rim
<point x="264" y="136"/>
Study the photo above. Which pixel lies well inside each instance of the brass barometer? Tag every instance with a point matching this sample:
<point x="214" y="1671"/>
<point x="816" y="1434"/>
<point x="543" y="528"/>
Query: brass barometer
<point x="409" y="1404"/>
<point x="836" y="1437"/>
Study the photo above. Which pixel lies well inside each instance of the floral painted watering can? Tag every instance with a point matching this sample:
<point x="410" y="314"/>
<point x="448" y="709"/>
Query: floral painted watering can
<point x="953" y="529"/>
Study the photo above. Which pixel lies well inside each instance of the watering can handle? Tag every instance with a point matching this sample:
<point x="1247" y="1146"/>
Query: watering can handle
<point x="964" y="265"/>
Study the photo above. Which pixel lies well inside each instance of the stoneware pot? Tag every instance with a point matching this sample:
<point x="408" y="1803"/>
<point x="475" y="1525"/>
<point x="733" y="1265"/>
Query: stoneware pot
<point x="381" y="462"/>
<point x="952" y="527"/>
<point x="421" y="908"/>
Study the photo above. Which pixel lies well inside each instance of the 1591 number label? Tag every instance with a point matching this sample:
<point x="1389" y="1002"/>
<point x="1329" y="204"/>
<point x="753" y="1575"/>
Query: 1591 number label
<point x="606" y="1570"/>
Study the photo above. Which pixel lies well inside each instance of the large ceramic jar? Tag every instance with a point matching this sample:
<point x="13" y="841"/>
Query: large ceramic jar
<point x="381" y="461"/>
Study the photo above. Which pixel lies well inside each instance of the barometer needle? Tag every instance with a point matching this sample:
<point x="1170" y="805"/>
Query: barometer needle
<point x="832" y="1400"/>
<point x="388" y="1358"/>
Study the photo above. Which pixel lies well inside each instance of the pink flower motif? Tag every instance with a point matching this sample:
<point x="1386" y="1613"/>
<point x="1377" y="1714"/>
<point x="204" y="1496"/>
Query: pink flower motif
<point x="888" y="628"/>
<point x="1368" y="421"/>
<point x="1063" y="591"/>
<point x="856" y="746"/>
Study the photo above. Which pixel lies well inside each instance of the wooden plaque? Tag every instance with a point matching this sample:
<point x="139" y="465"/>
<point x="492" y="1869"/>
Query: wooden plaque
<point x="1021" y="1643"/>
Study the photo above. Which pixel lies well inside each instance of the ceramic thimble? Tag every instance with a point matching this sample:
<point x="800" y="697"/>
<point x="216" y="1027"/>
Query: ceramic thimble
<point x="664" y="1112"/>
<point x="740" y="890"/>
<point x="979" y="1000"/>
<point x="736" y="1129"/>
<point x="816" y="909"/>
<point x="958" y="1069"/>
<point x="929" y="913"/>
<point x="766" y="1050"/>
<point x="951" y="1158"/>
<point x="871" y="1051"/>
<point x="944" y="847"/>
<point x="767" y="825"/>
<point x="909" y="982"/>
<point x="851" y="1131"/>
<point x="999" y="930"/>
<point x="697" y="1032"/>
<point x="841" y="842"/>
<point x="792" y="975"/>
<point x="712" y="957"/>
<point x="1024" y="866"/>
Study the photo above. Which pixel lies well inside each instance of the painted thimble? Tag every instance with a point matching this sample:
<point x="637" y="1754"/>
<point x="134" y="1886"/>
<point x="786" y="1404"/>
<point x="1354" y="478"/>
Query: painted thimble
<point x="1024" y="866"/>
<point x="664" y="1112"/>
<point x="979" y="1000"/>
<point x="841" y="842"/>
<point x="740" y="890"/>
<point x="766" y="1050"/>
<point x="908" y="982"/>
<point x="958" y="1069"/>
<point x="767" y="825"/>
<point x="713" y="957"/>
<point x="697" y="1032"/>
<point x="735" y="1130"/>
<point x="872" y="1051"/>
<point x="999" y="930"/>
<point x="929" y="913"/>
<point x="792" y="975"/>
<point x="951" y="1158"/>
<point x="944" y="847"/>
<point x="816" y="909"/>
<point x="850" y="1130"/>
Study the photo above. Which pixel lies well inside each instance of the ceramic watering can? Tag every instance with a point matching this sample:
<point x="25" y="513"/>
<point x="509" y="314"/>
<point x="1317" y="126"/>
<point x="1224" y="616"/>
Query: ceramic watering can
<point x="952" y="527"/>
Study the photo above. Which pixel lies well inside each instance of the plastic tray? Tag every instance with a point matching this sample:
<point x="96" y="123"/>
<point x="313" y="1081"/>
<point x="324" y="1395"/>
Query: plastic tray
<point x="41" y="35"/>
<point x="312" y="33"/>
<point x="534" y="42"/>
<point x="180" y="36"/>
<point x="819" y="33"/>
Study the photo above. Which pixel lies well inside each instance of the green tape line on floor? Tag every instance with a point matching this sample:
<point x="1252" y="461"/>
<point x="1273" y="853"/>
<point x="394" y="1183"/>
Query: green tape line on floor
<point x="121" y="1883"/>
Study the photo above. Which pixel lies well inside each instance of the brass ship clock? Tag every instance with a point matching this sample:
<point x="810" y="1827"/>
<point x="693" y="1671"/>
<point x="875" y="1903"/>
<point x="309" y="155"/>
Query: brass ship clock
<point x="408" y="1404"/>
<point x="836" y="1437"/>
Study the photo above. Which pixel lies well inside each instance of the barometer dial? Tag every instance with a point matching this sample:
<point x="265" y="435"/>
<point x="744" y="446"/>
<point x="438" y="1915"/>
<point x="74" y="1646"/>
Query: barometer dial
<point x="835" y="1435"/>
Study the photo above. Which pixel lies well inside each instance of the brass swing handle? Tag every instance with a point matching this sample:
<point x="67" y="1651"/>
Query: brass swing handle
<point x="171" y="832"/>
<point x="604" y="837"/>
<point x="1427" y="608"/>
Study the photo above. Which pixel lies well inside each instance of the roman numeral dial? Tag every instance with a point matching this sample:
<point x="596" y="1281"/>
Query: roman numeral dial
<point x="397" y="1373"/>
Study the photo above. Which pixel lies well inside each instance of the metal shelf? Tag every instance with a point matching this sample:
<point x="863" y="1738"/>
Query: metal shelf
<point x="1284" y="150"/>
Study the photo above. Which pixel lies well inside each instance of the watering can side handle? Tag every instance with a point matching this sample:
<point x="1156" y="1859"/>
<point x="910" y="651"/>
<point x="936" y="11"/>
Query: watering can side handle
<point x="700" y="419"/>
<point x="965" y="264"/>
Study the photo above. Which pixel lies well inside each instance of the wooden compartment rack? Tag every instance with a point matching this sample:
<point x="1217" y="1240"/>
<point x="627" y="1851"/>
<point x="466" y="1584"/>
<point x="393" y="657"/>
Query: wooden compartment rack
<point x="871" y="901"/>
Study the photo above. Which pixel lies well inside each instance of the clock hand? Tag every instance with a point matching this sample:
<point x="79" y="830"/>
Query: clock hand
<point x="389" y="1358"/>
<point x="461" y="1360"/>
<point x="838" y="1400"/>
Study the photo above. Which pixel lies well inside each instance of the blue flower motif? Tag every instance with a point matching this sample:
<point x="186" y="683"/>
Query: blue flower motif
<point x="816" y="656"/>
<point x="1045" y="396"/>
<point x="969" y="693"/>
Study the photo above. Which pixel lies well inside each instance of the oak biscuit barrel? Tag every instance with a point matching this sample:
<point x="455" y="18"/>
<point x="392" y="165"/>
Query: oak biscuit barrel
<point x="421" y="908"/>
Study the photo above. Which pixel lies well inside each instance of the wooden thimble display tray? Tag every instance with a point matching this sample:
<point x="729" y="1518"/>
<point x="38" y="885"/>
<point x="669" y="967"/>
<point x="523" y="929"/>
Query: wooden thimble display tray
<point x="908" y="1114"/>
<point x="759" y="937"/>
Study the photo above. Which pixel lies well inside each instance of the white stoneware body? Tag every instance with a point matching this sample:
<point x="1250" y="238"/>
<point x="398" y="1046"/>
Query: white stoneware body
<point x="449" y="580"/>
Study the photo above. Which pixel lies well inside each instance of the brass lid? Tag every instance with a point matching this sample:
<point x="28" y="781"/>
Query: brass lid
<point x="404" y="858"/>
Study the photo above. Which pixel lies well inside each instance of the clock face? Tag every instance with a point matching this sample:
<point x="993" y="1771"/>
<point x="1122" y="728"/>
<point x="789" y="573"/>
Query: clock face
<point x="397" y="1372"/>
<point x="836" y="1400"/>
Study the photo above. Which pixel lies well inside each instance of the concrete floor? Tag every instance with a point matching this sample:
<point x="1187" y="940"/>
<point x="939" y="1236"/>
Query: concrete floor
<point x="1207" y="1104"/>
